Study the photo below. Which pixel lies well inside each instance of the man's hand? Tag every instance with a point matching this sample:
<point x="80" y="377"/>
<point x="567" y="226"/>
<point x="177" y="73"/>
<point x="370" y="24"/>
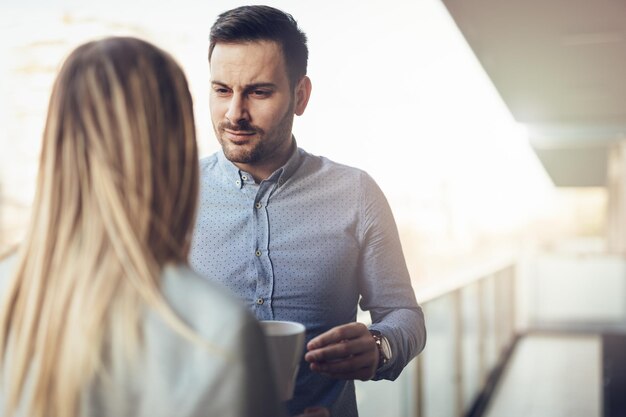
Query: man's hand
<point x="344" y="352"/>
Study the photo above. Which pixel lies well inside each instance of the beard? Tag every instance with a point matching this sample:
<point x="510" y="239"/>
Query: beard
<point x="262" y="146"/>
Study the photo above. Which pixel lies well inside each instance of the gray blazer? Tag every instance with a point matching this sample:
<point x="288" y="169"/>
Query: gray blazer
<point x="174" y="377"/>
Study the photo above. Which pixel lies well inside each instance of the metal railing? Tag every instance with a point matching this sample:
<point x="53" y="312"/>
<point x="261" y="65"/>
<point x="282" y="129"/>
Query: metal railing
<point x="470" y="319"/>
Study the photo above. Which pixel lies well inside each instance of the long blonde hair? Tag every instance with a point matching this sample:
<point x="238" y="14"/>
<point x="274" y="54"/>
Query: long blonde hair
<point x="115" y="202"/>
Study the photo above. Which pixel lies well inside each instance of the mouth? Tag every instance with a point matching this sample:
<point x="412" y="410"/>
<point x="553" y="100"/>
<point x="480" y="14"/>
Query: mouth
<point x="238" y="136"/>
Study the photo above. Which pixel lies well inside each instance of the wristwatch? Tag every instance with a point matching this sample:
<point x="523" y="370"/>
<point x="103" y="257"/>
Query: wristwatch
<point x="384" y="348"/>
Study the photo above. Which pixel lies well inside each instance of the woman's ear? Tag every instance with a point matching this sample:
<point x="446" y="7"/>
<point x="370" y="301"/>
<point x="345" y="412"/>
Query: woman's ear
<point x="302" y="93"/>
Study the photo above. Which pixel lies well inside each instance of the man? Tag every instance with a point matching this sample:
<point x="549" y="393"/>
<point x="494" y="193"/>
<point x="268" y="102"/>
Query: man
<point x="296" y="236"/>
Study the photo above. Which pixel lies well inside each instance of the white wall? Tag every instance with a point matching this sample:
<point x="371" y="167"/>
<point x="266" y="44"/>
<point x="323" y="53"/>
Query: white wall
<point x="574" y="290"/>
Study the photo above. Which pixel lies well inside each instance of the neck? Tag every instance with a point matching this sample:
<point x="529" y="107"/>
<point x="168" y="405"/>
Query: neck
<point x="263" y="169"/>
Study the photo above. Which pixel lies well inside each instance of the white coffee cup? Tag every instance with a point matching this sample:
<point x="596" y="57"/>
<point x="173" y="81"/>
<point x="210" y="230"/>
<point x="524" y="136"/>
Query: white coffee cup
<point x="285" y="343"/>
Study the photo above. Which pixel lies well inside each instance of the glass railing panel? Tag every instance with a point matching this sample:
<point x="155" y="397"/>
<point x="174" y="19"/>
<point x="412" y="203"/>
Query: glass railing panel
<point x="488" y="307"/>
<point x="389" y="398"/>
<point x="470" y="344"/>
<point x="505" y="287"/>
<point x="439" y="362"/>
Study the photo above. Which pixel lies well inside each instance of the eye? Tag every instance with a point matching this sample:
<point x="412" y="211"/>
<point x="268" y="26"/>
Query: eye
<point x="221" y="91"/>
<point x="258" y="93"/>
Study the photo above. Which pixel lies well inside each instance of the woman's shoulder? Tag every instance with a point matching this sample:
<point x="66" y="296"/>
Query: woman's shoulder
<point x="202" y="304"/>
<point x="180" y="283"/>
<point x="179" y="376"/>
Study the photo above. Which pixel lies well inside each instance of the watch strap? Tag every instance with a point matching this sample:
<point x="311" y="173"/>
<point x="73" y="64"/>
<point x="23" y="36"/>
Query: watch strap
<point x="378" y="339"/>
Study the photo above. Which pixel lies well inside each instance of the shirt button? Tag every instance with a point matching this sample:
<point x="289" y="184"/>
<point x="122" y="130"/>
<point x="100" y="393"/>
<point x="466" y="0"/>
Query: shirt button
<point x="244" y="177"/>
<point x="257" y="253"/>
<point x="281" y="181"/>
<point x="238" y="182"/>
<point x="258" y="205"/>
<point x="260" y="301"/>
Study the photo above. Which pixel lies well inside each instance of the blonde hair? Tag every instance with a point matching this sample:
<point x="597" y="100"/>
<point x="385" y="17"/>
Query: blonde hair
<point x="115" y="202"/>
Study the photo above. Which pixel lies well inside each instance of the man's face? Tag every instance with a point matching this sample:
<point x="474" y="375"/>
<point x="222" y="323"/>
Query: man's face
<point x="252" y="103"/>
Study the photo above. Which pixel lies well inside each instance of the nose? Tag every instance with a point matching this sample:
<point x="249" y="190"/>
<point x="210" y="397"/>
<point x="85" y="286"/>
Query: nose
<point x="237" y="109"/>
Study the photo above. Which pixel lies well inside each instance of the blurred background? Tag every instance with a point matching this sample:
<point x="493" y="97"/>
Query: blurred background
<point x="495" y="128"/>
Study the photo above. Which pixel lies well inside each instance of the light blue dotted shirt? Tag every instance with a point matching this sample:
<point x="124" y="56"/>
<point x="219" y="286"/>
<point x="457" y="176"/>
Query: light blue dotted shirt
<point x="308" y="244"/>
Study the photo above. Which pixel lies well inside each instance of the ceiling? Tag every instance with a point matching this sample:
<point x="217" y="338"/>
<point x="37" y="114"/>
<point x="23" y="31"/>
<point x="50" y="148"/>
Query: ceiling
<point x="560" y="66"/>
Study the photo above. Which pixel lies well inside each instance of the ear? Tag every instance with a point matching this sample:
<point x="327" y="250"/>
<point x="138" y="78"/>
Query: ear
<point x="302" y="93"/>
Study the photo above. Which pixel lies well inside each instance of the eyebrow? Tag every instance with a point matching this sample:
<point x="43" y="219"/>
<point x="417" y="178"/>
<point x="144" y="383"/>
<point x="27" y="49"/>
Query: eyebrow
<point x="247" y="87"/>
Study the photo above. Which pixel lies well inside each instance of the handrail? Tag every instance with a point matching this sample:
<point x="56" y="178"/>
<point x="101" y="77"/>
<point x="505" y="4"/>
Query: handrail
<point x="460" y="278"/>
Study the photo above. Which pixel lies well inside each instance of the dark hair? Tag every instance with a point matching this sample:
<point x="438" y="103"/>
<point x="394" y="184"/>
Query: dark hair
<point x="257" y="23"/>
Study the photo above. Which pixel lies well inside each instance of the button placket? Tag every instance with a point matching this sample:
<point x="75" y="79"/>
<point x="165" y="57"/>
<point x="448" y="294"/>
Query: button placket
<point x="265" y="274"/>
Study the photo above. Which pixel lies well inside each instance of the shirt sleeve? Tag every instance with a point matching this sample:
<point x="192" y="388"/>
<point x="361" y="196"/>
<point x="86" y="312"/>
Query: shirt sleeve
<point x="385" y="284"/>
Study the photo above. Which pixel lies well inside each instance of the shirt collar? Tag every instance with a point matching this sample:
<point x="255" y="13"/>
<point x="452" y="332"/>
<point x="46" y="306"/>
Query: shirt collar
<point x="238" y="177"/>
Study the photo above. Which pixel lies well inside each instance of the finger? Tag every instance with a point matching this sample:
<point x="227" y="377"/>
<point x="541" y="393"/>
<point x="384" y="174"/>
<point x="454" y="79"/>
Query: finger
<point x="337" y="334"/>
<point x="350" y="364"/>
<point x="341" y="350"/>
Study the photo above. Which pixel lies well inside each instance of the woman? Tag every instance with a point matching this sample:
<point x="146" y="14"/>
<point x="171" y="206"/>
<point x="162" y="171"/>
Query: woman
<point x="102" y="317"/>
